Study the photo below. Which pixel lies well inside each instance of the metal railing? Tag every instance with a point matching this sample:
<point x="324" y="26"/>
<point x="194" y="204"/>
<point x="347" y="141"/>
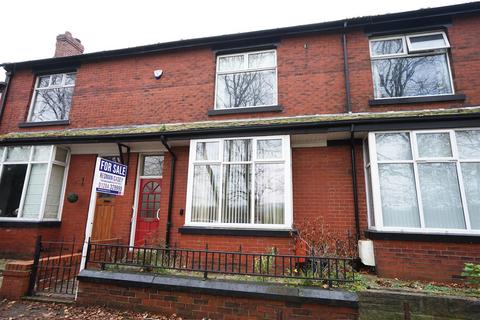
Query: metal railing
<point x="158" y="259"/>
<point x="55" y="266"/>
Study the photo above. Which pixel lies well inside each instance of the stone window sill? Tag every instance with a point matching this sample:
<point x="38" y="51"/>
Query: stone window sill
<point x="390" y="101"/>
<point x="43" y="123"/>
<point x="236" y="232"/>
<point x="245" y="110"/>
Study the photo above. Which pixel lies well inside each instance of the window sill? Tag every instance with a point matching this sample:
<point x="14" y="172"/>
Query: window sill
<point x="389" y="101"/>
<point x="423" y="237"/>
<point x="29" y="224"/>
<point x="245" y="110"/>
<point x="236" y="232"/>
<point x="43" y="123"/>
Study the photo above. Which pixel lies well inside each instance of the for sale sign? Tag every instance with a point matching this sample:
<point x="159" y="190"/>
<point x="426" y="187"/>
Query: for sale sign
<point x="110" y="177"/>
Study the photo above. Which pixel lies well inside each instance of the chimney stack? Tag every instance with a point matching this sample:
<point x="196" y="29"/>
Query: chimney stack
<point x="67" y="45"/>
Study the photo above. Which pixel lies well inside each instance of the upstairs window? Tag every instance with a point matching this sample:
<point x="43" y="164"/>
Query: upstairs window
<point x="52" y="97"/>
<point x="32" y="182"/>
<point x="411" y="65"/>
<point x="246" y="80"/>
<point x="240" y="182"/>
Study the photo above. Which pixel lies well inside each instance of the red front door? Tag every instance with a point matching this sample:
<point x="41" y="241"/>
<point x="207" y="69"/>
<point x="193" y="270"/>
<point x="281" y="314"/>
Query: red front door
<point x="148" y="212"/>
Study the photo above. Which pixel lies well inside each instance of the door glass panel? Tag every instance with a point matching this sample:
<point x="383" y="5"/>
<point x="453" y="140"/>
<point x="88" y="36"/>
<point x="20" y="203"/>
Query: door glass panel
<point x="152" y="166"/>
<point x="150" y="202"/>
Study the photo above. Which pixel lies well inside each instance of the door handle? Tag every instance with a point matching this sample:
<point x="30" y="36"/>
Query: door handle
<point x="158" y="212"/>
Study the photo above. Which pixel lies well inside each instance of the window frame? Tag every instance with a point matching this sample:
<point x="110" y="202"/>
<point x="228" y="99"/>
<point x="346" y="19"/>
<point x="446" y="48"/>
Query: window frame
<point x="244" y="70"/>
<point x="36" y="89"/>
<point x="376" y="211"/>
<point x="409" y="43"/>
<point x="408" y="54"/>
<point x="288" y="196"/>
<point x="46" y="184"/>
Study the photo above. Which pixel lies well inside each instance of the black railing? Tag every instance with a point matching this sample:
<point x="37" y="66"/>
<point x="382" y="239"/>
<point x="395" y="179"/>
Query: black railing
<point x="158" y="259"/>
<point x="55" y="267"/>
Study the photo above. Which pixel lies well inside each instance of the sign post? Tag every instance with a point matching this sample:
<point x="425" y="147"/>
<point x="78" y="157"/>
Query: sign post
<point x="109" y="177"/>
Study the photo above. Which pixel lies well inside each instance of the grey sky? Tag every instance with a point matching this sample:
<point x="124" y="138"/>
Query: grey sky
<point x="30" y="27"/>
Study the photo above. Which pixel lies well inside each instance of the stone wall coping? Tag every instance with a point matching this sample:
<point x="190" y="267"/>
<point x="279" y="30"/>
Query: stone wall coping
<point x="299" y="294"/>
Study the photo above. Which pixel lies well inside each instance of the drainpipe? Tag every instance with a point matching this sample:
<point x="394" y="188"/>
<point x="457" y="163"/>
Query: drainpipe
<point x="345" y="69"/>
<point x="8" y="77"/>
<point x="170" y="194"/>
<point x="354" y="183"/>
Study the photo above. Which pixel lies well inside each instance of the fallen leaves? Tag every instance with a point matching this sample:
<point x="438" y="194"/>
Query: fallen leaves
<point x="15" y="310"/>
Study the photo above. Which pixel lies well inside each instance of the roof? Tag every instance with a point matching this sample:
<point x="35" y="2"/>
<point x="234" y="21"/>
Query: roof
<point x="326" y="122"/>
<point x="262" y="35"/>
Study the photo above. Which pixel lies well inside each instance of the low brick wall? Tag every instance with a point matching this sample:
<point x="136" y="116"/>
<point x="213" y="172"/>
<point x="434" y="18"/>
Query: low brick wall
<point x="16" y="277"/>
<point x="197" y="299"/>
<point x="383" y="304"/>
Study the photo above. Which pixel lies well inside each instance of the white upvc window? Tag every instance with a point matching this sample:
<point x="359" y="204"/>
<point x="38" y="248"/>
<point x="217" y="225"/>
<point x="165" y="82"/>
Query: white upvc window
<point x="424" y="181"/>
<point x="411" y="65"/>
<point x="52" y="98"/>
<point x="246" y="80"/>
<point x="32" y="182"/>
<point x="240" y="182"/>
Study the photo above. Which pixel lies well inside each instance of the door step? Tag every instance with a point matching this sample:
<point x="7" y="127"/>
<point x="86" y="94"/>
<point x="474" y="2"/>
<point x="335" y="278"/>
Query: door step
<point x="56" y="298"/>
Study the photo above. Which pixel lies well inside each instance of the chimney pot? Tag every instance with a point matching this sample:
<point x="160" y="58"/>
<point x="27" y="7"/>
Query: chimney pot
<point x="67" y="45"/>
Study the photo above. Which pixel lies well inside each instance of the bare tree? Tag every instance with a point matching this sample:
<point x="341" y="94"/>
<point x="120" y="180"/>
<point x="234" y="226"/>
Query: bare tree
<point x="246" y="89"/>
<point x="52" y="104"/>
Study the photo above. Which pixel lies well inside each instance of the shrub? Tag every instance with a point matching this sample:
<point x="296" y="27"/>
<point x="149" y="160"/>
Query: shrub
<point x="471" y="272"/>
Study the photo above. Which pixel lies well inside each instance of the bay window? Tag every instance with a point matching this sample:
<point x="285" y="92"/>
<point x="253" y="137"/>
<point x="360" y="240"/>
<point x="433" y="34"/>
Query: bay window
<point x="240" y="182"/>
<point x="425" y="181"/>
<point x="411" y="65"/>
<point x="32" y="182"/>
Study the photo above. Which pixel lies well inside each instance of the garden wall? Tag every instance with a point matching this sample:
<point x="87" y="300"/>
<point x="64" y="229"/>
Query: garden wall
<point x="196" y="299"/>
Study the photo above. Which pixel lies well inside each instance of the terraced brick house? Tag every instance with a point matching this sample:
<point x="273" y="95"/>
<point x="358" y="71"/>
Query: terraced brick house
<point x="367" y="128"/>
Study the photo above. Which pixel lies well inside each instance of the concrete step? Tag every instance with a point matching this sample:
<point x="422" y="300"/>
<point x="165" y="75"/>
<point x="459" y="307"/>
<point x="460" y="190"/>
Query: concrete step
<point x="51" y="297"/>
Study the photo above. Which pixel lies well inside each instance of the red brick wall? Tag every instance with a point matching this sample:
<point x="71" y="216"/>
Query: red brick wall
<point x="423" y="260"/>
<point x="464" y="59"/>
<point x="310" y="81"/>
<point x="202" y="306"/>
<point x="19" y="243"/>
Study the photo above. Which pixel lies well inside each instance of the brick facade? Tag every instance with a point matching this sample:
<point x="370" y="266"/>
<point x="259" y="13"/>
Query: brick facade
<point x="424" y="260"/>
<point x="310" y="81"/>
